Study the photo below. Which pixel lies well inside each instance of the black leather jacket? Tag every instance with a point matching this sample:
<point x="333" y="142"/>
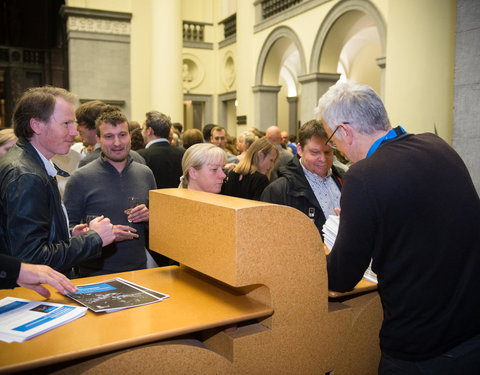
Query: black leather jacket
<point x="33" y="225"/>
<point x="292" y="189"/>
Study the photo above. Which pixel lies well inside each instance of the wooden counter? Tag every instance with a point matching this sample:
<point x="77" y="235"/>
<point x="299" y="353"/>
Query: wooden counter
<point x="195" y="304"/>
<point x="266" y="268"/>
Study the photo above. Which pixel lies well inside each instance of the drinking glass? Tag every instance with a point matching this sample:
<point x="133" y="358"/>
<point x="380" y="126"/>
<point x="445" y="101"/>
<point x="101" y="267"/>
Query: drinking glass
<point x="132" y="202"/>
<point x="89" y="218"/>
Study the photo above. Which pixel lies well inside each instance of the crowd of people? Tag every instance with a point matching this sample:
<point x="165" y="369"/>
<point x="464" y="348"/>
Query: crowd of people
<point x="406" y="202"/>
<point x="73" y="220"/>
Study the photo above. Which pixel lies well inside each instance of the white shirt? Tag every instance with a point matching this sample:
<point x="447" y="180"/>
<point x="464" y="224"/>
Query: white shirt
<point x="325" y="189"/>
<point x="52" y="172"/>
<point x="156" y="141"/>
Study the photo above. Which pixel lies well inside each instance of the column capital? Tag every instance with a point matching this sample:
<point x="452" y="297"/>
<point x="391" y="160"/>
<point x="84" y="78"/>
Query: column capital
<point x="319" y="77"/>
<point x="265" y="88"/>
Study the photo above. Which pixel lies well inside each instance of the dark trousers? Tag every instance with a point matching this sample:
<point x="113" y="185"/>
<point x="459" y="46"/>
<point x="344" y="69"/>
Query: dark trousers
<point x="464" y="359"/>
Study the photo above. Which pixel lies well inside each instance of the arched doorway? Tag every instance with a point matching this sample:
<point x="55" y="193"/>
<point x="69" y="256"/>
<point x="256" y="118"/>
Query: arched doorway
<point x="350" y="44"/>
<point x="276" y="89"/>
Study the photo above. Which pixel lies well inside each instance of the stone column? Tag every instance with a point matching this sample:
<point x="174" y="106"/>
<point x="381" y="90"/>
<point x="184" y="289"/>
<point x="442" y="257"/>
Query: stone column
<point x="466" y="111"/>
<point x="314" y="85"/>
<point x="99" y="55"/>
<point x="167" y="42"/>
<point x="292" y="114"/>
<point x="265" y="106"/>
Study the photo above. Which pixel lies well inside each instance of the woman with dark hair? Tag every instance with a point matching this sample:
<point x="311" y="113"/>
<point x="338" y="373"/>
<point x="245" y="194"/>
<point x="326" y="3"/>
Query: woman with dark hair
<point x="252" y="173"/>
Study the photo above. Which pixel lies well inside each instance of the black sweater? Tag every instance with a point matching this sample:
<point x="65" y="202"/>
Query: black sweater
<point x="412" y="207"/>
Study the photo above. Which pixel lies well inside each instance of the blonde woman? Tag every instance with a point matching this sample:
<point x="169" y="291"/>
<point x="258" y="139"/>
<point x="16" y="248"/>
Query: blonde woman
<point x="202" y="167"/>
<point x="7" y="140"/>
<point x="252" y="174"/>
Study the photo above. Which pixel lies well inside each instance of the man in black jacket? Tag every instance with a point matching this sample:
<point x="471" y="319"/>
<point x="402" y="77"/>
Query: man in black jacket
<point x="13" y="272"/>
<point x="309" y="184"/>
<point x="33" y="225"/>
<point x="164" y="160"/>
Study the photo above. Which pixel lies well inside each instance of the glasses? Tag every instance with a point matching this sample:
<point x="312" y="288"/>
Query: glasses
<point x="329" y="141"/>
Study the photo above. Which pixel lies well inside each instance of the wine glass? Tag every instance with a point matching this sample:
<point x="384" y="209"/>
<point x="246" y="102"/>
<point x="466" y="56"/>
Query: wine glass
<point x="132" y="202"/>
<point x="89" y="218"/>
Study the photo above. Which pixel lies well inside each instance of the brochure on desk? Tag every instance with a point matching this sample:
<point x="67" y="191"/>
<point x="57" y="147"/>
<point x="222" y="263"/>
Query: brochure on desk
<point x="22" y="319"/>
<point x="116" y="294"/>
<point x="330" y="230"/>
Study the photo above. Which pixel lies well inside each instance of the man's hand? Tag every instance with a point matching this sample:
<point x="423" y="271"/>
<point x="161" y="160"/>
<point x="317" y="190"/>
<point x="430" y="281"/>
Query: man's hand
<point x="31" y="276"/>
<point x="138" y="214"/>
<point x="124" y="232"/>
<point x="104" y="228"/>
<point x="79" y="229"/>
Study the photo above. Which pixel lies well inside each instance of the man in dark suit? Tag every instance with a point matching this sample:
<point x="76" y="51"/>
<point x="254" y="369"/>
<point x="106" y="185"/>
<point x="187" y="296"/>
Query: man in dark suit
<point x="164" y="160"/>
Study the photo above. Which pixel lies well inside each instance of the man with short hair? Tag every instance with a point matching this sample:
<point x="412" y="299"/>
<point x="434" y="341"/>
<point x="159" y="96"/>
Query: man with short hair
<point x="207" y="132"/>
<point x="86" y="115"/>
<point x="164" y="160"/>
<point x="287" y="143"/>
<point x="117" y="176"/>
<point x="310" y="184"/>
<point x="273" y="134"/>
<point x="409" y="203"/>
<point x="219" y="139"/>
<point x="34" y="227"/>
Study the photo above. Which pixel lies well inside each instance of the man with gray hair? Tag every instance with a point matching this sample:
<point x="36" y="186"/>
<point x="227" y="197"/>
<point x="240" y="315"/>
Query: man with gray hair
<point x="408" y="203"/>
<point x="164" y="160"/>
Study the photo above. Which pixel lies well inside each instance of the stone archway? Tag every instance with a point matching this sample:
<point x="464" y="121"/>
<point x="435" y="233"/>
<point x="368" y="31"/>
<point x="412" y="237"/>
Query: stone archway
<point x="352" y="39"/>
<point x="354" y="9"/>
<point x="281" y="59"/>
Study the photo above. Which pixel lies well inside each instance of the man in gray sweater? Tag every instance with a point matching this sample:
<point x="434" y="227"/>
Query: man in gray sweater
<point x="102" y="188"/>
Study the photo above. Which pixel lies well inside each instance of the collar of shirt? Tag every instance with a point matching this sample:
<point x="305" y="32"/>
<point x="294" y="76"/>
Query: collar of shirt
<point x="156" y="141"/>
<point x="325" y="190"/>
<point x="51" y="170"/>
<point x="392" y="134"/>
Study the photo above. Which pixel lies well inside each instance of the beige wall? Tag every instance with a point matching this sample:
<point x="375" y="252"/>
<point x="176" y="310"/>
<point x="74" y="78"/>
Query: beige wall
<point x="141" y="59"/>
<point x="419" y="55"/>
<point x="420" y="65"/>
<point x="365" y="69"/>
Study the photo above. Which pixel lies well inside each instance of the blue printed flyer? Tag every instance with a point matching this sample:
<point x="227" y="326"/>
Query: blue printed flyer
<point x="113" y="295"/>
<point x="22" y="319"/>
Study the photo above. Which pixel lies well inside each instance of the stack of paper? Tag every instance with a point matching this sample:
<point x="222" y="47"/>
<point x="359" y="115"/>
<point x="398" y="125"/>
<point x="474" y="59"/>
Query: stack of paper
<point x="116" y="294"/>
<point x="330" y="231"/>
<point x="21" y="319"/>
<point x="370" y="275"/>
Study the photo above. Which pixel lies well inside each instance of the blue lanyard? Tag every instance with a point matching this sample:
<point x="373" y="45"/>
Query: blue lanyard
<point x="393" y="133"/>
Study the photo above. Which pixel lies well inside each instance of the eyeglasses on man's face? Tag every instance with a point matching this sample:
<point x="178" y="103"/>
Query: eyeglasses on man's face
<point x="329" y="142"/>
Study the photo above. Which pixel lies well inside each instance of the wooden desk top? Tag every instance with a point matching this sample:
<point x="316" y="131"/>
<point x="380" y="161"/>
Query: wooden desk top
<point x="363" y="286"/>
<point x="194" y="305"/>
